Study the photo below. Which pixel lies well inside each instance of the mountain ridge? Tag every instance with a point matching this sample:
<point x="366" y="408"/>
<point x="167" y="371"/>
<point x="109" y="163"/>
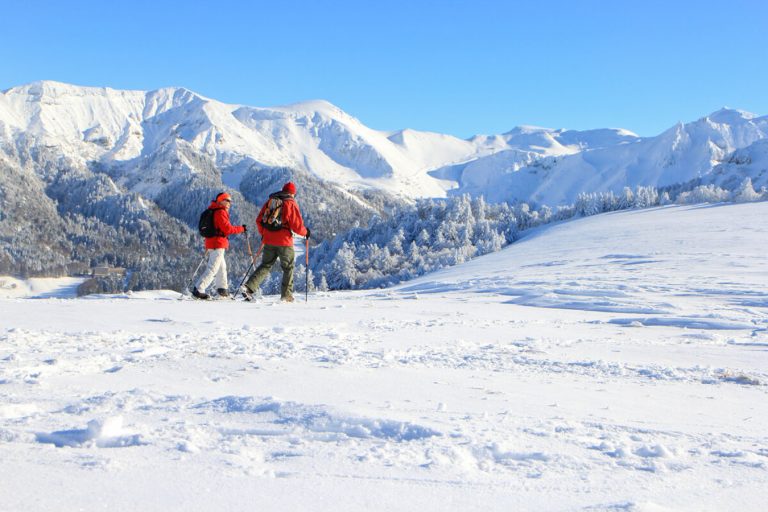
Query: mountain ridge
<point x="314" y="135"/>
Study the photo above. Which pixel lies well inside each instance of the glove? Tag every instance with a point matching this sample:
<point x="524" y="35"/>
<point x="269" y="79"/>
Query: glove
<point x="245" y="228"/>
<point x="307" y="235"/>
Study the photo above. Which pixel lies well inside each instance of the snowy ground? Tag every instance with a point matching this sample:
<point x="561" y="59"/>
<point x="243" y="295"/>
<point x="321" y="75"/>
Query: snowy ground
<point x="613" y="363"/>
<point x="40" y="287"/>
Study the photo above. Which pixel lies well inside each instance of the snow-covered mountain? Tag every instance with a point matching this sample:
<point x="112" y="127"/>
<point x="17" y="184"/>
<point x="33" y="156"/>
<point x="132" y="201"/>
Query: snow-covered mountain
<point x="748" y="162"/>
<point x="129" y="131"/>
<point x="178" y="134"/>
<point x="683" y="153"/>
<point x="123" y="130"/>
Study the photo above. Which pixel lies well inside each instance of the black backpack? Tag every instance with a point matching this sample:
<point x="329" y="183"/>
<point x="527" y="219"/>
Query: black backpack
<point x="273" y="213"/>
<point x="205" y="225"/>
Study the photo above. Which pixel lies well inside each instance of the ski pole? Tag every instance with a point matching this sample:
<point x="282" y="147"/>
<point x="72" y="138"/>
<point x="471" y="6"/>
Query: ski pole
<point x="191" y="279"/>
<point x="306" y="253"/>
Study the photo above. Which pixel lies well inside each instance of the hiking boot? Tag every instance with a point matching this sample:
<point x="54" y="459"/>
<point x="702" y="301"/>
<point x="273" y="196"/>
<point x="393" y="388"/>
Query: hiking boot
<point x="199" y="295"/>
<point x="287" y="298"/>
<point x="223" y="293"/>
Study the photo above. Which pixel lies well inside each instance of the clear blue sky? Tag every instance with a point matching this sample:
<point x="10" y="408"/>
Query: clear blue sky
<point x="458" y="67"/>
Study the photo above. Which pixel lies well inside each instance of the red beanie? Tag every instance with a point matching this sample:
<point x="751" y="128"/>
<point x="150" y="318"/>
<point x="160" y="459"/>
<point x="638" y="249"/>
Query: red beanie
<point x="289" y="188"/>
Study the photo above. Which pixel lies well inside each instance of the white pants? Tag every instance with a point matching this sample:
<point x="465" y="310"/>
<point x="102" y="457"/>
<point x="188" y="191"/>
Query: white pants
<point x="217" y="267"/>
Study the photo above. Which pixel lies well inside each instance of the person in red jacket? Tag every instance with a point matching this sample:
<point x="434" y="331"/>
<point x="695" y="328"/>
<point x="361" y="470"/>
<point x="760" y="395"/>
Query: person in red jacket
<point x="277" y="239"/>
<point x="216" y="246"/>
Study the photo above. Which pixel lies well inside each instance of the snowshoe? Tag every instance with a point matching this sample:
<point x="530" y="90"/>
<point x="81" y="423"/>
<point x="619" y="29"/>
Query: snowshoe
<point x="247" y="294"/>
<point x="200" y="295"/>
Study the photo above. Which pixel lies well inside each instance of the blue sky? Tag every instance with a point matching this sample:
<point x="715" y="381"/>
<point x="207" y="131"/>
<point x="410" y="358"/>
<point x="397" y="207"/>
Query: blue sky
<point x="458" y="67"/>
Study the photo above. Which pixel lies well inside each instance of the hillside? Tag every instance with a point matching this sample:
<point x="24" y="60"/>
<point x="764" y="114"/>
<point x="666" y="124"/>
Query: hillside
<point x="615" y="362"/>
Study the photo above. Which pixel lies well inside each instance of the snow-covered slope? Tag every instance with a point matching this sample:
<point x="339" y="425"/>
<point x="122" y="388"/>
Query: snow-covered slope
<point x="748" y="162"/>
<point x="616" y="362"/>
<point x="40" y="288"/>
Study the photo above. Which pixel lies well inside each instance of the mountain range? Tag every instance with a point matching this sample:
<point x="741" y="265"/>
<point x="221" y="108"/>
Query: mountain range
<point x="137" y="166"/>
<point x="130" y="132"/>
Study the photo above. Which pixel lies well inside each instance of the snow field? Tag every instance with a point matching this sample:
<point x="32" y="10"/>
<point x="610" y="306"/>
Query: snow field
<point x="617" y="362"/>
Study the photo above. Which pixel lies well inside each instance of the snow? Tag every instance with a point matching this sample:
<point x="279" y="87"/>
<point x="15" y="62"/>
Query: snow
<point x="749" y="162"/>
<point x="40" y="287"/>
<point x="616" y="362"/>
<point x="129" y="132"/>
<point x="611" y="162"/>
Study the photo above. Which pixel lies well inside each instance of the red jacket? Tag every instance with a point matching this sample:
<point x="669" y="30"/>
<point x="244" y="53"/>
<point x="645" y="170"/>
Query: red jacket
<point x="291" y="220"/>
<point x="222" y="225"/>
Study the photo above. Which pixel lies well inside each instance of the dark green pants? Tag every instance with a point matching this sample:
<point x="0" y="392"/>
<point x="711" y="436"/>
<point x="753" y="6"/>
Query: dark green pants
<point x="269" y="255"/>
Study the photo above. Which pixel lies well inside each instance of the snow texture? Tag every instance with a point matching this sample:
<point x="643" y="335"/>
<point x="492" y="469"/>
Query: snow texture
<point x="616" y="362"/>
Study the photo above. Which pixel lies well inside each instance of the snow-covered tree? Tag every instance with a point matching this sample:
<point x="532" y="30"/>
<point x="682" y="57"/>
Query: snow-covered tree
<point x="626" y="199"/>
<point x="746" y="192"/>
<point x="646" y="197"/>
<point x="704" y="194"/>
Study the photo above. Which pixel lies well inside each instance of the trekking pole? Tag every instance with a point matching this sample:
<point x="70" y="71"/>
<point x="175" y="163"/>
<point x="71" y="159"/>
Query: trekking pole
<point x="248" y="270"/>
<point x="240" y="286"/>
<point x="306" y="253"/>
<point x="250" y="251"/>
<point x="251" y="266"/>
<point x="191" y="279"/>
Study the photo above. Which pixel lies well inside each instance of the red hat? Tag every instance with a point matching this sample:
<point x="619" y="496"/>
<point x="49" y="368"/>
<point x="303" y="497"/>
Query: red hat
<point x="289" y="188"/>
<point x="223" y="197"/>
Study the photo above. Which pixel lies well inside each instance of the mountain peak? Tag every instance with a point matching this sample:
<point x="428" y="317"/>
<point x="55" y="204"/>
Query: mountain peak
<point x="321" y="106"/>
<point x="730" y="116"/>
<point x="528" y="129"/>
<point x="53" y="88"/>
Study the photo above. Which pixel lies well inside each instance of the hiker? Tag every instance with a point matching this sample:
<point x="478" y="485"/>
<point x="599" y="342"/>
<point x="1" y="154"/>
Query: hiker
<point x="277" y="221"/>
<point x="216" y="245"/>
